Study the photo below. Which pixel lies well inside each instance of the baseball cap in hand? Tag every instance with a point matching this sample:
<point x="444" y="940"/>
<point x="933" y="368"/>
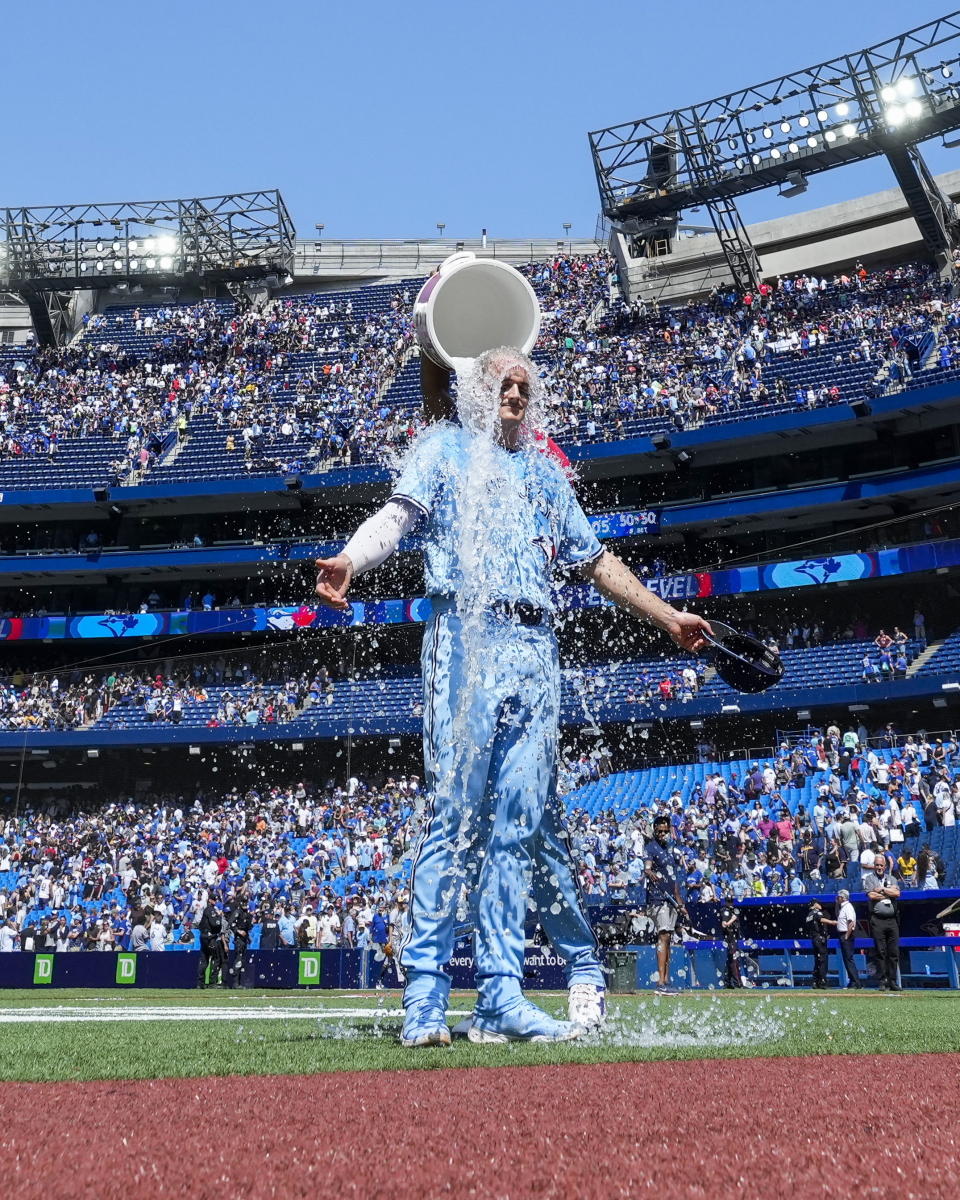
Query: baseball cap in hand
<point x="742" y="660"/>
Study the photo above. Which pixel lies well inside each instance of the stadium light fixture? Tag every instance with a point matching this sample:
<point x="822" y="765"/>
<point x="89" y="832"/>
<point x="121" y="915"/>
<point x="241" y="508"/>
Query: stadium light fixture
<point x="730" y="708"/>
<point x="795" y="185"/>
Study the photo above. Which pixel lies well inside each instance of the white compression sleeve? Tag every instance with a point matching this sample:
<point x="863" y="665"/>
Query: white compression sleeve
<point x="380" y="535"/>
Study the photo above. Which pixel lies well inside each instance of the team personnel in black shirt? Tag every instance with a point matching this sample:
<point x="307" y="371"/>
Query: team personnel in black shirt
<point x="817" y="932"/>
<point x="241" y="922"/>
<point x="212" y="951"/>
<point x="730" y="924"/>
<point x="269" y="930"/>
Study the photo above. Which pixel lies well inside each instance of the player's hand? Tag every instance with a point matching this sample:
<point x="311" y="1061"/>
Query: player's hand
<point x="687" y="630"/>
<point x="334" y="576"/>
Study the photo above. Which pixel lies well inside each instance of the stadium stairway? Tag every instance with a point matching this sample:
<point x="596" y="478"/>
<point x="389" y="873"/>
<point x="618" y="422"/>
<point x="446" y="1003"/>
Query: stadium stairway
<point x="916" y="667"/>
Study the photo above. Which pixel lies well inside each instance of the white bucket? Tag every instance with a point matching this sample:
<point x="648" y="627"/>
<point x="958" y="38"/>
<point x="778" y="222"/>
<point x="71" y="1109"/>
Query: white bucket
<point x="472" y="305"/>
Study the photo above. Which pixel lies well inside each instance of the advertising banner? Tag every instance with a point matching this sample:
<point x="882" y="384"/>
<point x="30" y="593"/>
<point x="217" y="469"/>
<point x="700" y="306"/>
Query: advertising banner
<point x="815" y="571"/>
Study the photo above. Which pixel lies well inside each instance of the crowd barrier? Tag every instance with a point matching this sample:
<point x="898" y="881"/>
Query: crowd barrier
<point x="925" y="962"/>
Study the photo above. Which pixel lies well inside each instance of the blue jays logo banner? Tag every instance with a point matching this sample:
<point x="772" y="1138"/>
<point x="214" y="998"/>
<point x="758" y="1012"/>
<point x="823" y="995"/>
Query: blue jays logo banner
<point x="815" y="571"/>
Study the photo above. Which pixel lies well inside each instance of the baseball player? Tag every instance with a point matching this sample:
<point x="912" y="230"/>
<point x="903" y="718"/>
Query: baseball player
<point x="556" y="890"/>
<point x="497" y="518"/>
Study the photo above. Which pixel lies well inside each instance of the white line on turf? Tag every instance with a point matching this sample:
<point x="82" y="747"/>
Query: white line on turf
<point x="19" y="1016"/>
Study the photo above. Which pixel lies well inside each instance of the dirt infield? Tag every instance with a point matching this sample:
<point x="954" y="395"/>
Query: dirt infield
<point x="825" y="1127"/>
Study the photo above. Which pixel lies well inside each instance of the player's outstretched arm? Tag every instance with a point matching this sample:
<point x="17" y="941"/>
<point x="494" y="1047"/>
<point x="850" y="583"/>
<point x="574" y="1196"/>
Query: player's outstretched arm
<point x="372" y="544"/>
<point x="614" y="579"/>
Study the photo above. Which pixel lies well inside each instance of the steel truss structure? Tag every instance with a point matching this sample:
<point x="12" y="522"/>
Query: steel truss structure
<point x="882" y="100"/>
<point x="50" y="252"/>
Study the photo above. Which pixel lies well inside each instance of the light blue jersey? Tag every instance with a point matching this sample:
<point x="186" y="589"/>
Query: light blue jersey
<point x="493" y="822"/>
<point x="538" y="524"/>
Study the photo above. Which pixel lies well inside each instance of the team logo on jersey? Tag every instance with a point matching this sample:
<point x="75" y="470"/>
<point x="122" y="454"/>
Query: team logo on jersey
<point x="546" y="545"/>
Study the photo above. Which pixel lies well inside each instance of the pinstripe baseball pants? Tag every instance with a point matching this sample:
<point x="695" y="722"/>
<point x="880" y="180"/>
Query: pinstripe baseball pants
<point x="493" y="819"/>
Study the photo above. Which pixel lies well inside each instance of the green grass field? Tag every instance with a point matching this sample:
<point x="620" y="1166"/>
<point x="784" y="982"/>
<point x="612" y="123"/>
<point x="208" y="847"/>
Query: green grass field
<point x="112" y="1036"/>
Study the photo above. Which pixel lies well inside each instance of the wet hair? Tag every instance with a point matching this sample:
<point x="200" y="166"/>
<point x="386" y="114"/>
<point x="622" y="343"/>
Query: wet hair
<point x="478" y="393"/>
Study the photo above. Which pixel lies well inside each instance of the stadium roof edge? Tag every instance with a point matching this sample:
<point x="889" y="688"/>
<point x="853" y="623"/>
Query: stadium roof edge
<point x="873" y="229"/>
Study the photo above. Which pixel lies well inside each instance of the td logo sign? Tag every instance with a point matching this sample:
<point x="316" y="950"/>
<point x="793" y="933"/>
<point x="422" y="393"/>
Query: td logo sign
<point x="308" y="968"/>
<point x="126" y="968"/>
<point x="43" y="968"/>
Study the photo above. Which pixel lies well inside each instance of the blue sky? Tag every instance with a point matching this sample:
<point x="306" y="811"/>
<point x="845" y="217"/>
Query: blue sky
<point x="381" y="119"/>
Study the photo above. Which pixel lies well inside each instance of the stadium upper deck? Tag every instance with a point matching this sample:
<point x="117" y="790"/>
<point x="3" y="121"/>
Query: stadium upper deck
<point x="165" y="395"/>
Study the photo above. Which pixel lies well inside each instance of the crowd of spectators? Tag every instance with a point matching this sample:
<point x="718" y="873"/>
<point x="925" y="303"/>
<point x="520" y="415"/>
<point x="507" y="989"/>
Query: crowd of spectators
<point x="742" y="836"/>
<point x="73" y="699"/>
<point x="328" y="862"/>
<point x="316" y="859"/>
<point x="686" y="365"/>
<point x="303" y="381"/>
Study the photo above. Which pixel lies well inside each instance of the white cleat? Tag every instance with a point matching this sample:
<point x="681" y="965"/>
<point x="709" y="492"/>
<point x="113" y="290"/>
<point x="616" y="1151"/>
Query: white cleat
<point x="523" y="1023"/>
<point x="587" y="1006"/>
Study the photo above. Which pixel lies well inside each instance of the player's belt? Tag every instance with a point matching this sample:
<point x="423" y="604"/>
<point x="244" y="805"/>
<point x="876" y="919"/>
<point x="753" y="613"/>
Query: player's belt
<point x="520" y="611"/>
